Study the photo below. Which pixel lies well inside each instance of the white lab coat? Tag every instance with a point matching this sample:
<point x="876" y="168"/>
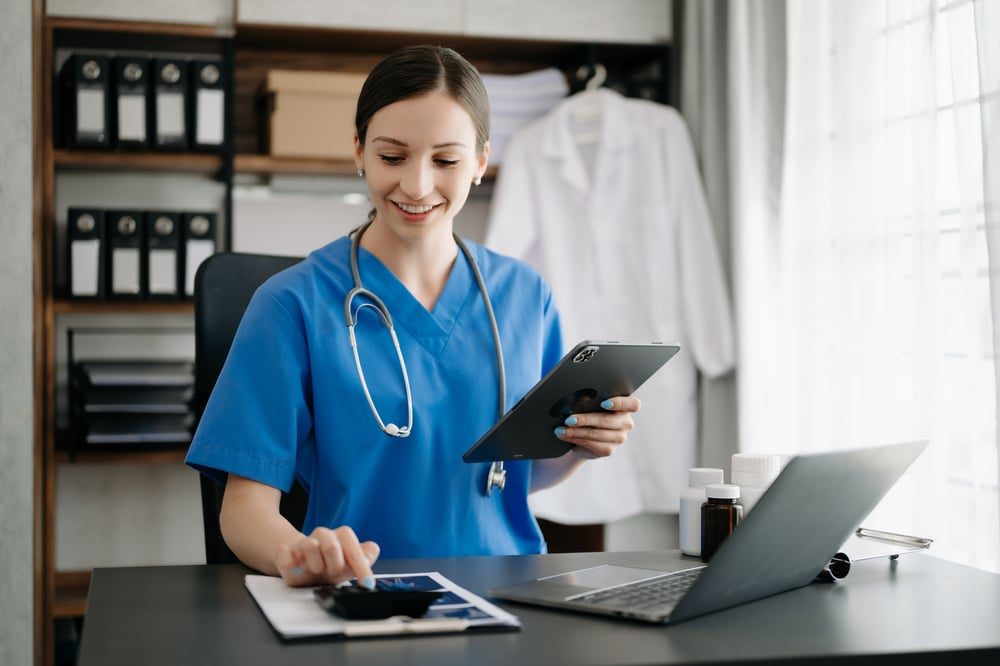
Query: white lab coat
<point x="620" y="229"/>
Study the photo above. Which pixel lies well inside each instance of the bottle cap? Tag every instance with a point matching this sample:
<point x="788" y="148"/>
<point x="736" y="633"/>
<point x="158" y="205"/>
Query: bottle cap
<point x="758" y="463"/>
<point x="722" y="491"/>
<point x="702" y="476"/>
<point x="756" y="470"/>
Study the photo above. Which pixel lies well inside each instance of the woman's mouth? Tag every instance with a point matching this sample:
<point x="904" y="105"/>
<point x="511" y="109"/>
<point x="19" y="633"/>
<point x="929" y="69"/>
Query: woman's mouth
<point x="414" y="213"/>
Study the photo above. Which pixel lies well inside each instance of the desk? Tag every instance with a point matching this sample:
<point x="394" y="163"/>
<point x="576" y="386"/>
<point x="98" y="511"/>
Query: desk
<point x="884" y="612"/>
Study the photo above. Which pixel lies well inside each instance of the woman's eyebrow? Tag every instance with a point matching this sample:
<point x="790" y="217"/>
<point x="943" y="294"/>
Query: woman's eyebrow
<point x="397" y="142"/>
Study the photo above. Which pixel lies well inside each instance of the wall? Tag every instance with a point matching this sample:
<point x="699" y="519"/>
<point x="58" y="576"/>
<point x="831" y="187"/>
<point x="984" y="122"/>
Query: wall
<point x="16" y="381"/>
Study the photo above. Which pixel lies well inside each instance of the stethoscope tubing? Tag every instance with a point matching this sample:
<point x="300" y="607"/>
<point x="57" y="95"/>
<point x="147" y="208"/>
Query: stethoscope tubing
<point x="497" y="475"/>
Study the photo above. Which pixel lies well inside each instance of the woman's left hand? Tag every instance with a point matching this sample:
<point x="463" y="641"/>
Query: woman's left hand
<point x="598" y="434"/>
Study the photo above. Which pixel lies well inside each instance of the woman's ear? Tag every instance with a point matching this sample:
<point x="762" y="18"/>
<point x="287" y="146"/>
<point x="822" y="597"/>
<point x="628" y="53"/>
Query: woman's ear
<point x="483" y="161"/>
<point x="359" y="150"/>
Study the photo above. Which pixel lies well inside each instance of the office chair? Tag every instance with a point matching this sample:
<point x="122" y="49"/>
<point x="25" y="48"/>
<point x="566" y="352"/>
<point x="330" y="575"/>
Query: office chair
<point x="223" y="287"/>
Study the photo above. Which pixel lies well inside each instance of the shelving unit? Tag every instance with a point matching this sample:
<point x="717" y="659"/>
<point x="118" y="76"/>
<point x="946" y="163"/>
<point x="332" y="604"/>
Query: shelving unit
<point x="251" y="50"/>
<point x="63" y="594"/>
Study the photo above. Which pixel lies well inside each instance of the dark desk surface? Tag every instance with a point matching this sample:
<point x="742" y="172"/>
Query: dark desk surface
<point x="884" y="612"/>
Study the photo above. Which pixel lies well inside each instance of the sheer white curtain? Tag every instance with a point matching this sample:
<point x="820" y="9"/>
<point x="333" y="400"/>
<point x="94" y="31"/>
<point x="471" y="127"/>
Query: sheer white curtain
<point x="875" y="322"/>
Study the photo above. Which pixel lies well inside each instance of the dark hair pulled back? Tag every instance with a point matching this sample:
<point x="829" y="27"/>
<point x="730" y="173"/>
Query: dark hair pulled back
<point x="417" y="70"/>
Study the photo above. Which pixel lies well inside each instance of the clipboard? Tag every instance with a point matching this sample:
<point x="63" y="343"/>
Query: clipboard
<point x="293" y="612"/>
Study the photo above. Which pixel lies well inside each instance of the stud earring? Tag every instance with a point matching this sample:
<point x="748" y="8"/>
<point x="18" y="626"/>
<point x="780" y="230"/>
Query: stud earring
<point x="361" y="173"/>
<point x="477" y="182"/>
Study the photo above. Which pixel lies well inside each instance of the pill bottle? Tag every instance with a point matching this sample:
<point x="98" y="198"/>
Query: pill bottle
<point x="720" y="514"/>
<point x="690" y="512"/>
<point x="753" y="473"/>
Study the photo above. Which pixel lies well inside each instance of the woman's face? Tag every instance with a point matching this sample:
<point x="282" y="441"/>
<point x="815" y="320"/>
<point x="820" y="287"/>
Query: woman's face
<point x="420" y="160"/>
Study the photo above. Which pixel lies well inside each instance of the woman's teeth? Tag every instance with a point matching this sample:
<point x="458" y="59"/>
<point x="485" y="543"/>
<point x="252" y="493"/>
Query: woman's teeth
<point x="414" y="210"/>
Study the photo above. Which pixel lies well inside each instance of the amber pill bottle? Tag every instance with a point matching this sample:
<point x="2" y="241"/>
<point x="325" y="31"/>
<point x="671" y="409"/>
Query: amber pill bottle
<point x="720" y="514"/>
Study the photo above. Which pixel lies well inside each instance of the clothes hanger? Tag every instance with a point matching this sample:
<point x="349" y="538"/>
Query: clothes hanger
<point x="587" y="112"/>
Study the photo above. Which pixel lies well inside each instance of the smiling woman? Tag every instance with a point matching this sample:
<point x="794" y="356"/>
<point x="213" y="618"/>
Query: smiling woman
<point x="322" y="369"/>
<point x="422" y="139"/>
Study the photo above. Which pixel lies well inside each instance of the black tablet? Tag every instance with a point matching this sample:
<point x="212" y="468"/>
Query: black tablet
<point x="590" y="373"/>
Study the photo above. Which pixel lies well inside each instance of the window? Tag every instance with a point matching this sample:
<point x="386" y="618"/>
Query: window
<point x="883" y="320"/>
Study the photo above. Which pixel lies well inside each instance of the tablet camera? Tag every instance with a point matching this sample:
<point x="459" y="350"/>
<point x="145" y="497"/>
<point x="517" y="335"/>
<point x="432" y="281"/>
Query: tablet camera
<point x="586" y="354"/>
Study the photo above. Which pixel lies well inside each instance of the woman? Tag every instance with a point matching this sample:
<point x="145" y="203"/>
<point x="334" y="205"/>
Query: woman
<point x="293" y="400"/>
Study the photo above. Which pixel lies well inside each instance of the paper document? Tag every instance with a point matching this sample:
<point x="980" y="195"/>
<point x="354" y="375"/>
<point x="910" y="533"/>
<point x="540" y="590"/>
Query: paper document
<point x="294" y="613"/>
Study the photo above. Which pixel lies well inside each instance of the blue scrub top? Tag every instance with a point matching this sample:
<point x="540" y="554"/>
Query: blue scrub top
<point x="288" y="403"/>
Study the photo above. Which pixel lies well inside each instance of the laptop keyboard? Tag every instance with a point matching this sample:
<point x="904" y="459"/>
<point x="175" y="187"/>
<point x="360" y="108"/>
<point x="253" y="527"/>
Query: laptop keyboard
<point x="654" y="597"/>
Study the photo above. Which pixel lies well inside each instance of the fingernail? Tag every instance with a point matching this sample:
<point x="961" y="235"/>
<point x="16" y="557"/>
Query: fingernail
<point x="560" y="431"/>
<point x="571" y="421"/>
<point x="607" y="404"/>
<point x="297" y="571"/>
<point x="368" y="582"/>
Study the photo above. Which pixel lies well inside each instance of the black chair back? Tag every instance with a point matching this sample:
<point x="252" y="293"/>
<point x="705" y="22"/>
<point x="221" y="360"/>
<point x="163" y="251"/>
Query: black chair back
<point x="223" y="287"/>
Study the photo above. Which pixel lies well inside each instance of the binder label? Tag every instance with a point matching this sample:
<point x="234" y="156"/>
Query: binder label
<point x="132" y="117"/>
<point x="169" y="114"/>
<point x="197" y="252"/>
<point x="125" y="271"/>
<point x="90" y="111"/>
<point x="85" y="260"/>
<point x="211" y="119"/>
<point x="162" y="272"/>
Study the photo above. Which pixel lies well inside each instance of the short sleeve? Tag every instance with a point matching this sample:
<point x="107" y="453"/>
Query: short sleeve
<point x="260" y="410"/>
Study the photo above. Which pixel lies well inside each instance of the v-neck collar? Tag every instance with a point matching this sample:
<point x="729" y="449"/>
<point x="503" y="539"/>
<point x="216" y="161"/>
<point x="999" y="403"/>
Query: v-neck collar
<point x="430" y="328"/>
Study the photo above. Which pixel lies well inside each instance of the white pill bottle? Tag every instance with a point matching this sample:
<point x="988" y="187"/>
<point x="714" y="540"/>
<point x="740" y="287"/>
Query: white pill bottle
<point x="690" y="512"/>
<point x="753" y="473"/>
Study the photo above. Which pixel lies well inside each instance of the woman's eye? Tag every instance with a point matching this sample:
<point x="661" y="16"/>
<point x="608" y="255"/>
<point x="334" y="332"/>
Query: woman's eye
<point x="447" y="163"/>
<point x="391" y="159"/>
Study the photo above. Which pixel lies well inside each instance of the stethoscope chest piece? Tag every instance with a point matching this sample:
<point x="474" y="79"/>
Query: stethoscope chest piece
<point x="496" y="477"/>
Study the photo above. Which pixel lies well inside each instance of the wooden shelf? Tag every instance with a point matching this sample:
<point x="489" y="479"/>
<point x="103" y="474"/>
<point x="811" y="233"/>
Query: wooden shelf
<point x="152" y="457"/>
<point x="71" y="588"/>
<point x="142" y="27"/>
<point x="109" y="160"/>
<point x="123" y="307"/>
<point x="269" y="165"/>
<point x="478" y="48"/>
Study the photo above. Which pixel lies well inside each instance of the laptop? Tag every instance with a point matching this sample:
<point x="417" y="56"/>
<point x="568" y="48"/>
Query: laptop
<point x="794" y="529"/>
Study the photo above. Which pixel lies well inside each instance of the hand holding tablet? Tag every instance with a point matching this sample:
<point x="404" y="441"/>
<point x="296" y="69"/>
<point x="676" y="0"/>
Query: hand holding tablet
<point x="592" y="372"/>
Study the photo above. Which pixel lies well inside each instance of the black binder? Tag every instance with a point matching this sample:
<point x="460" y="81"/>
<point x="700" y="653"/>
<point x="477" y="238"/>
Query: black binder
<point x="207" y="119"/>
<point x="130" y="107"/>
<point x="85" y="255"/>
<point x="163" y="234"/>
<point x="199" y="244"/>
<point x="169" y="104"/>
<point x="125" y="263"/>
<point x="83" y="83"/>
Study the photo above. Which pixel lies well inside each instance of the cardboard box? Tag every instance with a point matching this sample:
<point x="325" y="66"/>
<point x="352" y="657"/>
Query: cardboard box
<point x="312" y="113"/>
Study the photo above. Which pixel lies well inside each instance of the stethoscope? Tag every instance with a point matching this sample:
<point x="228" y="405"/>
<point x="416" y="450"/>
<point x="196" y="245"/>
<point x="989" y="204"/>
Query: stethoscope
<point x="497" y="475"/>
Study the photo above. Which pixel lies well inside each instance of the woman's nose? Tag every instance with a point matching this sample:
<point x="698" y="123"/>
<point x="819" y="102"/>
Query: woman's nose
<point x="417" y="181"/>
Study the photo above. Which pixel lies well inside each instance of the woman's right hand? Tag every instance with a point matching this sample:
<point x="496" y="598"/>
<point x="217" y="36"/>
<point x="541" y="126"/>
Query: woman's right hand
<point x="327" y="556"/>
